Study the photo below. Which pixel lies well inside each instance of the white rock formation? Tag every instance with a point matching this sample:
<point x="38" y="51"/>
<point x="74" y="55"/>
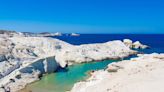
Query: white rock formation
<point x="128" y="42"/>
<point x="75" y="34"/>
<point x="135" y="45"/>
<point x="26" y="58"/>
<point x="94" y="52"/>
<point x="57" y="34"/>
<point x="141" y="74"/>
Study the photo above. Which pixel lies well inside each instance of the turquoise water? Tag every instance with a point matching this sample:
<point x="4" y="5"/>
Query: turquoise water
<point x="64" y="79"/>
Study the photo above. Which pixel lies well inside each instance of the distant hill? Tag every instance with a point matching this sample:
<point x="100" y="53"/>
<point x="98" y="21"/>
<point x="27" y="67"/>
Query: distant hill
<point x="6" y="31"/>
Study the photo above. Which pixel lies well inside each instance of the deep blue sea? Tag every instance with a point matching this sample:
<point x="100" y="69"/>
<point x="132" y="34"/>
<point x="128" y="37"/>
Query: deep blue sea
<point x="155" y="41"/>
<point x="62" y="81"/>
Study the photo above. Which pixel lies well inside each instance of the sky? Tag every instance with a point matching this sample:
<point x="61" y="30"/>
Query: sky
<point x="83" y="16"/>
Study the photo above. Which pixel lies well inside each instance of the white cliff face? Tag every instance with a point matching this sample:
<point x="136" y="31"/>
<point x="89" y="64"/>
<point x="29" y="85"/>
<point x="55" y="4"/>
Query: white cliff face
<point x="19" y="55"/>
<point x="141" y="74"/>
<point x="44" y="65"/>
<point x="17" y="79"/>
<point x="29" y="57"/>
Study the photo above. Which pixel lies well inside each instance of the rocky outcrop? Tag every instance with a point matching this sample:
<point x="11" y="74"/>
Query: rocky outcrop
<point x="74" y="34"/>
<point x="44" y="65"/>
<point x="142" y="74"/>
<point x="135" y="45"/>
<point x="128" y="43"/>
<point x="20" y="81"/>
<point x="94" y="52"/>
<point x="26" y="58"/>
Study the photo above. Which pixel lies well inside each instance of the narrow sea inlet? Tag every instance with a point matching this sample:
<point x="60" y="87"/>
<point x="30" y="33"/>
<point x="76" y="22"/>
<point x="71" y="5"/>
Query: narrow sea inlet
<point x="64" y="79"/>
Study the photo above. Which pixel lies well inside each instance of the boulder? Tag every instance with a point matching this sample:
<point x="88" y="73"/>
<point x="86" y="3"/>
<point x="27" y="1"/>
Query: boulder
<point x="138" y="45"/>
<point x="128" y="42"/>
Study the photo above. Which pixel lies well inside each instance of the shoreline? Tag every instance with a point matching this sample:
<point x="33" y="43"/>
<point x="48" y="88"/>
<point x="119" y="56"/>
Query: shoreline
<point x="25" y="89"/>
<point x="53" y="53"/>
<point x="88" y="74"/>
<point x="132" y="71"/>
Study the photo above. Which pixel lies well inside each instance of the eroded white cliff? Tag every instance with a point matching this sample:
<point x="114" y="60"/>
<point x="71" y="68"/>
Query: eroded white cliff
<point x="24" y="58"/>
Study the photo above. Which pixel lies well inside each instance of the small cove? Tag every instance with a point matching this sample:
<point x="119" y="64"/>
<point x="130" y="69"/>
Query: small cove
<point x="64" y="79"/>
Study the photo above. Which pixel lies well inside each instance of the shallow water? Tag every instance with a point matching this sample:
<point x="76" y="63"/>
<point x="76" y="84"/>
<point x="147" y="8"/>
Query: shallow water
<point x="64" y="79"/>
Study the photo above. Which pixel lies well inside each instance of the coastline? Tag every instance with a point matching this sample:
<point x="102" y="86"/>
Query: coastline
<point x="87" y="75"/>
<point x="52" y="51"/>
<point x="143" y="70"/>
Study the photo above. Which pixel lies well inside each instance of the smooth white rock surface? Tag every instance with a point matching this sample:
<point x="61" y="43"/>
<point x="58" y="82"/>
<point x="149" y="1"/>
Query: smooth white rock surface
<point x="141" y="74"/>
<point x="135" y="45"/>
<point x="29" y="57"/>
